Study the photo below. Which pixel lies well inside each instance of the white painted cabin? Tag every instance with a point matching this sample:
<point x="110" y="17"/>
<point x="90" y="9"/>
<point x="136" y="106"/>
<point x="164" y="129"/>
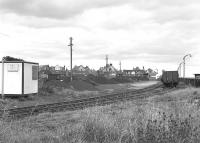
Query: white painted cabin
<point x="20" y="78"/>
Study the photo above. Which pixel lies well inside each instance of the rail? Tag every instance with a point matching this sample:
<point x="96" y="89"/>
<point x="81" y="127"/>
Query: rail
<point x="16" y="113"/>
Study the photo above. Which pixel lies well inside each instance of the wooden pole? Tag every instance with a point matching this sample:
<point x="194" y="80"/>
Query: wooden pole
<point x="71" y="57"/>
<point x="2" y="80"/>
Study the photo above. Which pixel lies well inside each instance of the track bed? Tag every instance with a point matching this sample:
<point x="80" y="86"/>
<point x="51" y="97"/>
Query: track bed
<point x="16" y="113"/>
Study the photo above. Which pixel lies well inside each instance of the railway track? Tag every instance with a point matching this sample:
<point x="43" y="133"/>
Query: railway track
<point x="16" y="113"/>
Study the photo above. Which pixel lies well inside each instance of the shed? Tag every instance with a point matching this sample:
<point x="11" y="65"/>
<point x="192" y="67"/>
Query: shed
<point x="197" y="76"/>
<point x="197" y="80"/>
<point x="20" y="78"/>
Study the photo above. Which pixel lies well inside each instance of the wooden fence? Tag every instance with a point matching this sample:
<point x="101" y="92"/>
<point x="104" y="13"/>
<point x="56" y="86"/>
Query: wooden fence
<point x="190" y="81"/>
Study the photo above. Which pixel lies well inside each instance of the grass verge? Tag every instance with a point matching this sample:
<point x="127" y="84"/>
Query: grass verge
<point x="170" y="118"/>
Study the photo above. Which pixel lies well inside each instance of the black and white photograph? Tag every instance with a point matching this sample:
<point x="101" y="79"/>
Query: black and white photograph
<point x="99" y="71"/>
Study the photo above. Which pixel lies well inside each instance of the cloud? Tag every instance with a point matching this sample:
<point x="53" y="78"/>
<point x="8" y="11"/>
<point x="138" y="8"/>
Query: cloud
<point x="112" y="14"/>
<point x="57" y="9"/>
<point x="4" y="35"/>
<point x="178" y="13"/>
<point x="156" y="32"/>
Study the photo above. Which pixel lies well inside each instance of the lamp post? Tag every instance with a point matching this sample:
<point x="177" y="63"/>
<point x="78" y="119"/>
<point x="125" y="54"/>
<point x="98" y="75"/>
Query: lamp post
<point x="184" y="63"/>
<point x="179" y="68"/>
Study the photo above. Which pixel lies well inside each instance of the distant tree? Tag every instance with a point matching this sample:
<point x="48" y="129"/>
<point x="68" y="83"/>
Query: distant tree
<point x="137" y="68"/>
<point x="150" y="70"/>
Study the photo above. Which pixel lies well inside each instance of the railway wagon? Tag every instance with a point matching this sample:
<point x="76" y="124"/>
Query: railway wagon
<point x="170" y="78"/>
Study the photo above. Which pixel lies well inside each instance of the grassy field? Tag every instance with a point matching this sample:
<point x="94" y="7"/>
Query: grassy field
<point x="59" y="94"/>
<point x="170" y="118"/>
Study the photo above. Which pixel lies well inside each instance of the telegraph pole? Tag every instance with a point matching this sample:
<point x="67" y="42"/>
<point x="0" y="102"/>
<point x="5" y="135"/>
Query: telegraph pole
<point x="120" y="64"/>
<point x="106" y="62"/>
<point x="2" y="79"/>
<point x="184" y="67"/>
<point x="70" y="44"/>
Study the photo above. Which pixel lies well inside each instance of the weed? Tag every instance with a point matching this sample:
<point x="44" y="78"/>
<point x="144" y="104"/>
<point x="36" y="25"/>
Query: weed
<point x="162" y="121"/>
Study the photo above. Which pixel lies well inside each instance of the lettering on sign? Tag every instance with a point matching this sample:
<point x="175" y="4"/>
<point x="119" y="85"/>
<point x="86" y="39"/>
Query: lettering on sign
<point x="13" y="67"/>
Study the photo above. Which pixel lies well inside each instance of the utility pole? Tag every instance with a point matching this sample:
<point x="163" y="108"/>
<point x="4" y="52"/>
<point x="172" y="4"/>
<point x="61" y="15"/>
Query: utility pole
<point x="106" y="62"/>
<point x="120" y="64"/>
<point x="70" y="44"/>
<point x="2" y="79"/>
<point x="184" y="63"/>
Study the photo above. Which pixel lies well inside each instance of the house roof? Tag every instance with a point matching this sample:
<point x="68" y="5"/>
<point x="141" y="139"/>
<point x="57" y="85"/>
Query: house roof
<point x="8" y="58"/>
<point x="81" y="68"/>
<point x="109" y="67"/>
<point x="19" y="62"/>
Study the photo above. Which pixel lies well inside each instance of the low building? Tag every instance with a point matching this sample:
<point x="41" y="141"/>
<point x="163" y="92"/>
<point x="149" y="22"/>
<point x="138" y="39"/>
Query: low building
<point x="59" y="68"/>
<point x="19" y="77"/>
<point x="153" y="75"/>
<point x="44" y="68"/>
<point x="57" y="75"/>
<point x="82" y="71"/>
<point x="140" y="72"/>
<point x="108" y="71"/>
<point x="135" y="73"/>
<point x="52" y="73"/>
<point x="129" y="72"/>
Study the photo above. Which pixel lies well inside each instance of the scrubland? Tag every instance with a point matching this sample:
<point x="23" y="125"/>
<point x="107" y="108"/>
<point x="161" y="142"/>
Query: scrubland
<point x="169" y="118"/>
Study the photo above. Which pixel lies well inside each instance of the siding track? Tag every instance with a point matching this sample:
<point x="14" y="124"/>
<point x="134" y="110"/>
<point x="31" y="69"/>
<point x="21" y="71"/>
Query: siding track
<point x="16" y="113"/>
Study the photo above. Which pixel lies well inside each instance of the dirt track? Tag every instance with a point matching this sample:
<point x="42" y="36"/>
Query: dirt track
<point x="125" y="86"/>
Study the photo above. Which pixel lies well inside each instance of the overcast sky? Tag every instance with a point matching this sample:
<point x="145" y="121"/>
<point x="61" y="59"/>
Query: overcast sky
<point x="149" y="33"/>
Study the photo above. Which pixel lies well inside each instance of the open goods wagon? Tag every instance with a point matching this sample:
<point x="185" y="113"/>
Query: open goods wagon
<point x="170" y="78"/>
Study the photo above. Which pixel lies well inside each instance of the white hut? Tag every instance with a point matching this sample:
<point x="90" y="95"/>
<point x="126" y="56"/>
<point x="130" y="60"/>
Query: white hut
<point x="19" y="78"/>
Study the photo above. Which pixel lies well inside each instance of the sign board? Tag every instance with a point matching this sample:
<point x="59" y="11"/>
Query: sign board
<point x="13" y="67"/>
